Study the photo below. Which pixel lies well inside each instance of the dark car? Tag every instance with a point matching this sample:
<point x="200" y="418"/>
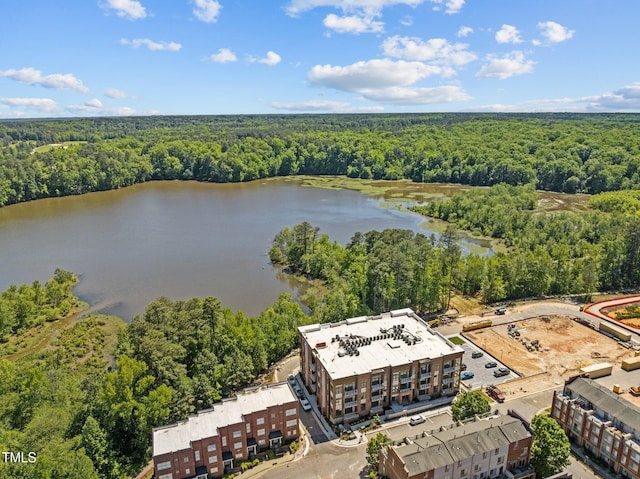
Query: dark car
<point x="463" y="367"/>
<point x="490" y="364"/>
<point x="467" y="375"/>
<point x="501" y="372"/>
<point x="495" y="393"/>
<point x="477" y="354"/>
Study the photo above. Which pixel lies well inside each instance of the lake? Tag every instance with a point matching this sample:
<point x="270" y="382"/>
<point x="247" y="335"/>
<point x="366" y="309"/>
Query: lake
<point x="181" y="239"/>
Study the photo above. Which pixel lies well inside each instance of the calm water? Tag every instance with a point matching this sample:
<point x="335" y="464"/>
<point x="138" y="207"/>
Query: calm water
<point x="178" y="239"/>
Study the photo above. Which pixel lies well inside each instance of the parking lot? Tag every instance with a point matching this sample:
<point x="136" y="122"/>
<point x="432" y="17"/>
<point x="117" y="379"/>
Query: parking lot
<point x="482" y="374"/>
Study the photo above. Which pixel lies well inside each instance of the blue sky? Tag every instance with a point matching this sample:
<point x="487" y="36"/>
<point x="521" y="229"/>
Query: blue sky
<point x="68" y="58"/>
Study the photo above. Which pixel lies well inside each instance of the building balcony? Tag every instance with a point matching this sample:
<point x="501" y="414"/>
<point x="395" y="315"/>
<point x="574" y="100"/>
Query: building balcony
<point x="377" y="386"/>
<point x="405" y="380"/>
<point x="425" y="375"/>
<point x="349" y="401"/>
<point x="448" y="370"/>
<point x="520" y="473"/>
<point x="405" y="387"/>
<point x="350" y="392"/>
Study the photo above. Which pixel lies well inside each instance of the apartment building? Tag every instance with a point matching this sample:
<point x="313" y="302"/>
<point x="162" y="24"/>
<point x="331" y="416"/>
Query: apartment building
<point x="361" y="366"/>
<point x="217" y="439"/>
<point x="495" y="447"/>
<point x="600" y="421"/>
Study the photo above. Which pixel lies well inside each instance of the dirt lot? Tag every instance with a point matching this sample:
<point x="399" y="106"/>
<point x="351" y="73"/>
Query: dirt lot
<point x="566" y="346"/>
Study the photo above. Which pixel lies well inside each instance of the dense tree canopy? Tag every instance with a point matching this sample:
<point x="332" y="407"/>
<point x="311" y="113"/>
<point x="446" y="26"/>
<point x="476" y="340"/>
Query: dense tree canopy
<point x="550" y="449"/>
<point x="470" y="404"/>
<point x="559" y="152"/>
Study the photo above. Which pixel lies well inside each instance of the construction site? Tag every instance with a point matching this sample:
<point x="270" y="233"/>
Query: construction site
<point x="547" y="350"/>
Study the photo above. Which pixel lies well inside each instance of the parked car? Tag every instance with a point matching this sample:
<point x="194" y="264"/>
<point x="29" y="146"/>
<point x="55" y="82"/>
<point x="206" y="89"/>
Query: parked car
<point x="417" y="420"/>
<point x="298" y="391"/>
<point x="501" y="311"/>
<point x="291" y="379"/>
<point x="477" y="354"/>
<point x="495" y="393"/>
<point x="305" y="405"/>
<point x="491" y="364"/>
<point x="467" y="375"/>
<point x="501" y="372"/>
<point x="463" y="367"/>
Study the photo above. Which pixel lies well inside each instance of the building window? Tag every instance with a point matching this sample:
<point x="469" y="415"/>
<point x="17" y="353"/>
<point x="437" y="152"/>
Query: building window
<point x="224" y="441"/>
<point x="166" y="476"/>
<point x="292" y="423"/>
<point x="197" y="455"/>
<point x="185" y="459"/>
<point x="237" y="445"/>
<point x="164" y="465"/>
<point x="211" y="447"/>
<point x="500" y="460"/>
<point x="260" y="421"/>
<point x="248" y="428"/>
<point x="237" y="434"/>
<point x="261" y="442"/>
<point x="260" y="432"/>
<point x="213" y="470"/>
<point x="213" y="459"/>
<point x="290" y="412"/>
<point x="187" y="471"/>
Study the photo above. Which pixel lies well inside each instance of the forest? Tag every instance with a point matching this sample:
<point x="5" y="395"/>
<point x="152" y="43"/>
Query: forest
<point x="86" y="403"/>
<point x="557" y="152"/>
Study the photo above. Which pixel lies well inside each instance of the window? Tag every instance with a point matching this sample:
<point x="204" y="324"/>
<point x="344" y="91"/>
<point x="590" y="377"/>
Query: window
<point x="248" y="428"/>
<point x="211" y="447"/>
<point x="261" y="442"/>
<point x="290" y="412"/>
<point x="187" y="471"/>
<point x="237" y="445"/>
<point x="260" y="421"/>
<point x="197" y="455"/>
<point x="500" y="460"/>
<point x="273" y="426"/>
<point x="292" y="423"/>
<point x="224" y="441"/>
<point x="166" y="476"/>
<point x="185" y="459"/>
<point x="164" y="465"/>
<point x="237" y="434"/>
<point x="260" y="432"/>
<point x="213" y="459"/>
<point x="213" y="470"/>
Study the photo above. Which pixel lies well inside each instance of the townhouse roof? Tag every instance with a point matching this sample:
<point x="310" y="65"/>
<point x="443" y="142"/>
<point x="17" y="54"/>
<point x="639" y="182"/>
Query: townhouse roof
<point x="205" y="424"/>
<point x="460" y="443"/>
<point x="359" y="345"/>
<point x="606" y="400"/>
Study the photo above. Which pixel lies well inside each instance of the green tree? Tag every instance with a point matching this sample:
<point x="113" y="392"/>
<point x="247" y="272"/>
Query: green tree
<point x="374" y="446"/>
<point x="469" y="405"/>
<point x="550" y="449"/>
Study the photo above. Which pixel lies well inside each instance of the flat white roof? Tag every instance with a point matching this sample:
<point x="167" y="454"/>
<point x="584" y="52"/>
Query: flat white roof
<point x="377" y="342"/>
<point x="179" y="436"/>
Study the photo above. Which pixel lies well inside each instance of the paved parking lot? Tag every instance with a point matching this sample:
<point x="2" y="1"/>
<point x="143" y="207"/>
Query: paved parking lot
<point x="482" y="375"/>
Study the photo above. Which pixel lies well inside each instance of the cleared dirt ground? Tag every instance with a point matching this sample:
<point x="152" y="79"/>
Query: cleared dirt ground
<point x="566" y="347"/>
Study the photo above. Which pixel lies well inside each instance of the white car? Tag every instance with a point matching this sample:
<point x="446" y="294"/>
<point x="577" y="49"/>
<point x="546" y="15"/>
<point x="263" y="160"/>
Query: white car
<point x="417" y="420"/>
<point x="305" y="405"/>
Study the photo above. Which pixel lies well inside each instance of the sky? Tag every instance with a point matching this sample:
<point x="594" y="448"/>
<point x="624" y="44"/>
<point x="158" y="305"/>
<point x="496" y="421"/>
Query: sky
<point x="85" y="58"/>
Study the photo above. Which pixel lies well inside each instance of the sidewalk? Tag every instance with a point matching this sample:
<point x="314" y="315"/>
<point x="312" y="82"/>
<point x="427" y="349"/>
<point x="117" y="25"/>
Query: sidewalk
<point x="597" y="469"/>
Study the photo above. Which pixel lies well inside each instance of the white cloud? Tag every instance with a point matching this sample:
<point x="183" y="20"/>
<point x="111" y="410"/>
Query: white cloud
<point x="207" y="10"/>
<point x="372" y="7"/>
<point x="625" y="98"/>
<point x="451" y="6"/>
<point x="406" y="21"/>
<point x="116" y="94"/>
<point x="508" y="34"/>
<point x="88" y="109"/>
<point x="224" y="55"/>
<point x="352" y="24"/>
<point x="511" y="64"/>
<point x="417" y="96"/>
<point x="57" y="81"/>
<point x="464" y="31"/>
<point x="271" y="59"/>
<point x="94" y="103"/>
<point x="325" y="106"/>
<point x="129" y="9"/>
<point x="554" y="32"/>
<point x="151" y="45"/>
<point x="372" y="74"/>
<point x="40" y="104"/>
<point x="437" y="50"/>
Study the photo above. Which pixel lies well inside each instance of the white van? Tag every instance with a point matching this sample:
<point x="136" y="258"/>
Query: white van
<point x="417" y="420"/>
